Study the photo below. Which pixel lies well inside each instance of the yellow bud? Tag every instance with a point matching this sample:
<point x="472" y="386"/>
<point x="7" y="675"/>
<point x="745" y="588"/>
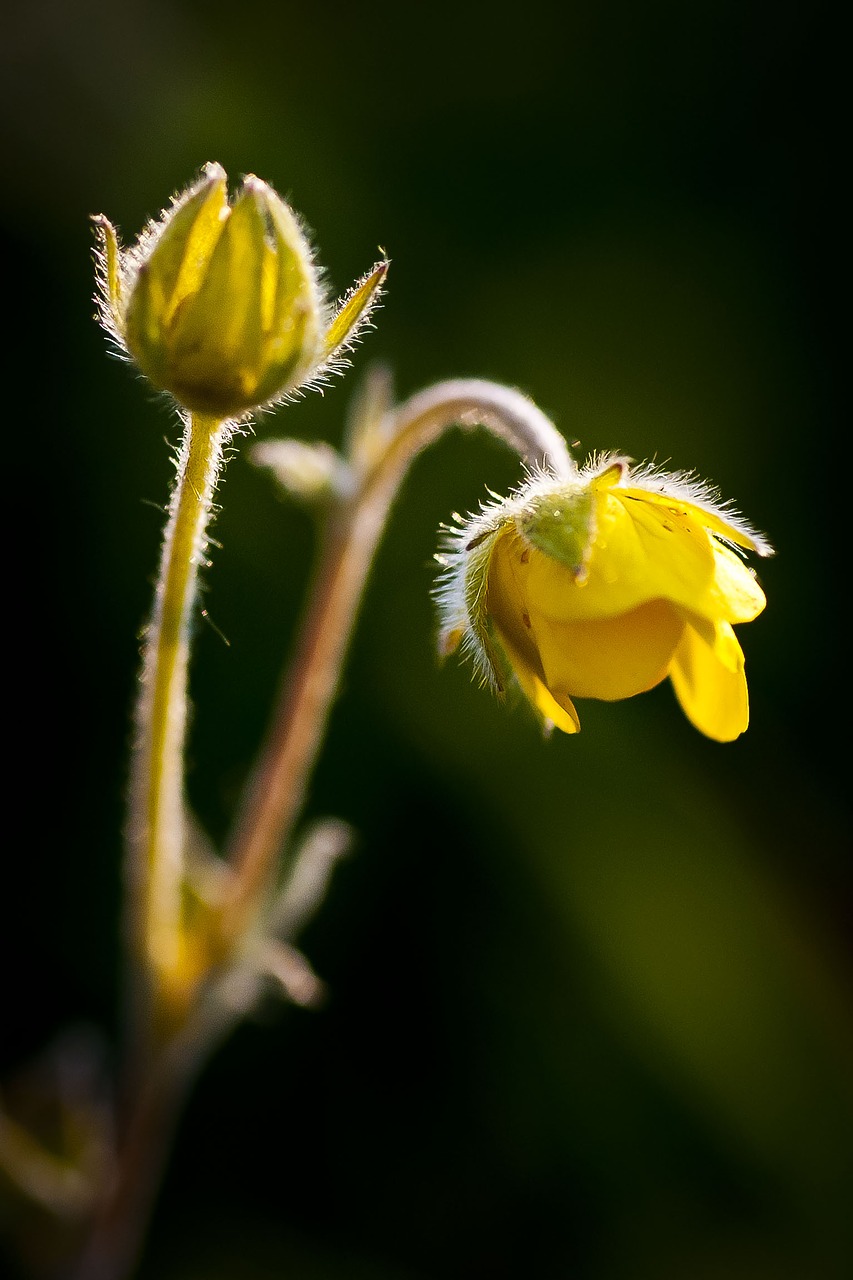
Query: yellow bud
<point x="221" y="303"/>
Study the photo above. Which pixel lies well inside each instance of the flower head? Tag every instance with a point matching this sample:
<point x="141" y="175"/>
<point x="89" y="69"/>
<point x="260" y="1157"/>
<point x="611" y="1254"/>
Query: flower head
<point x="601" y="586"/>
<point x="221" y="304"/>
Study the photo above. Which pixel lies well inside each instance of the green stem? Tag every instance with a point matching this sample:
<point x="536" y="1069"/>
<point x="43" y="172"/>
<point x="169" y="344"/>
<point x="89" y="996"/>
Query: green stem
<point x="275" y="791"/>
<point x="156" y="820"/>
<point x="170" y="1031"/>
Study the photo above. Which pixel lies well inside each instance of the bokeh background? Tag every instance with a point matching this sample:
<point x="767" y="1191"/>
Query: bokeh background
<point x="591" y="1000"/>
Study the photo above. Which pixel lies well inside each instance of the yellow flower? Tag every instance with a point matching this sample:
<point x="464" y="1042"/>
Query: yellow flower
<point x="221" y="304"/>
<point x="602" y="586"/>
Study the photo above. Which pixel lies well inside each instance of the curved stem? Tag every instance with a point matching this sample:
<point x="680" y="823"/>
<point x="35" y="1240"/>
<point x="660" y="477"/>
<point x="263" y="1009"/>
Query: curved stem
<point x="475" y="402"/>
<point x="156" y="817"/>
<point x="275" y="791"/>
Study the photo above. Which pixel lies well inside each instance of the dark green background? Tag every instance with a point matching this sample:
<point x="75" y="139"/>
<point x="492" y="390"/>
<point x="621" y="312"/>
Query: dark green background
<point x="591" y="1007"/>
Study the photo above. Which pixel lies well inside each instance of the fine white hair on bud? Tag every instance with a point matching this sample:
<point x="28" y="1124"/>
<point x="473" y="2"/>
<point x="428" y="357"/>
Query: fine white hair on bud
<point x="221" y="303"/>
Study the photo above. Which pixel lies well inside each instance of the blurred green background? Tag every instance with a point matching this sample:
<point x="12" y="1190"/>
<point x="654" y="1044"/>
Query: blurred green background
<point x="591" y="1000"/>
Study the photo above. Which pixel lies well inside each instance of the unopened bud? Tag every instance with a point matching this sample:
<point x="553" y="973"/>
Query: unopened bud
<point x="221" y="303"/>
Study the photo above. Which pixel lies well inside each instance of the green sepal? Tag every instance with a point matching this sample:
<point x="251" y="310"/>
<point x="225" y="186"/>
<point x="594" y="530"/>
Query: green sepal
<point x="109" y="274"/>
<point x="354" y="309"/>
<point x="561" y="524"/>
<point x="218" y="343"/>
<point x="172" y="268"/>
<point x="496" y="668"/>
<point x="293" y="303"/>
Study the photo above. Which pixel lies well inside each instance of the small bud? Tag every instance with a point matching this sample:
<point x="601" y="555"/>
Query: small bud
<point x="222" y="304"/>
<point x="310" y="472"/>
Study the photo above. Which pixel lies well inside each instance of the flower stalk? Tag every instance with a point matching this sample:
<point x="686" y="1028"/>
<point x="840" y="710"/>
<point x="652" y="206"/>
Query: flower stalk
<point x="383" y="447"/>
<point x="221" y="305"/>
<point x="156" y="820"/>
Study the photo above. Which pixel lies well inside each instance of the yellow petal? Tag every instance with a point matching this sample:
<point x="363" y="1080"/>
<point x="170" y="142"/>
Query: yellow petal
<point x="251" y="331"/>
<point x="700" y="515"/>
<point x="175" y="264"/>
<point x="606" y="658"/>
<point x="218" y="333"/>
<point x="707" y="674"/>
<point x="735" y="594"/>
<point x="610" y="658"/>
<point x="506" y="601"/>
<point x="562" y="713"/>
<point x="505" y="606"/>
<point x="203" y="229"/>
<point x="642" y="552"/>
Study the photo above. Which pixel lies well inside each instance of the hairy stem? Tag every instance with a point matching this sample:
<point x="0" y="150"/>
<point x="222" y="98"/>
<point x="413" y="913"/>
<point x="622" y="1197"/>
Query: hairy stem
<point x="156" y="818"/>
<point x="168" y="1036"/>
<point x="275" y="791"/>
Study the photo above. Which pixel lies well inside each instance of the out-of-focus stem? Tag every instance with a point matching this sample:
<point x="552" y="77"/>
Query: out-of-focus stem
<point x="275" y="791"/>
<point x="121" y="1217"/>
<point x="39" y="1174"/>
<point x="156" y="818"/>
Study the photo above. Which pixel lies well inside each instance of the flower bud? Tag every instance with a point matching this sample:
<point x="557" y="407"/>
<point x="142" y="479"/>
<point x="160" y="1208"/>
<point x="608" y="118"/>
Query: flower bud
<point x="221" y="304"/>
<point x="603" y="586"/>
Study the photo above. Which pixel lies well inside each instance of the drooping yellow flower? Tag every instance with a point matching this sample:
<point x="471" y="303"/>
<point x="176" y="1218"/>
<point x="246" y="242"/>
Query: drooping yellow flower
<point x="220" y="302"/>
<point x="602" y="586"/>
